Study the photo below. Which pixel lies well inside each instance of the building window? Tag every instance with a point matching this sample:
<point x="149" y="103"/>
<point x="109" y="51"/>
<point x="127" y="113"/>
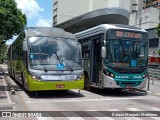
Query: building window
<point x="55" y="23"/>
<point x="134" y="4"/>
<point x="134" y="10"/>
<point x="55" y="18"/>
<point x="153" y="43"/>
<point x="56" y="3"/>
<point x="55" y="11"/>
<point x="159" y="4"/>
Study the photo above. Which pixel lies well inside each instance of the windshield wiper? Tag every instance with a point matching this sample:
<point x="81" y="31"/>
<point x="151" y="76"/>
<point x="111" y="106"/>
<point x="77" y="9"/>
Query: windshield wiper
<point x="58" y="58"/>
<point x="60" y="61"/>
<point x="71" y="69"/>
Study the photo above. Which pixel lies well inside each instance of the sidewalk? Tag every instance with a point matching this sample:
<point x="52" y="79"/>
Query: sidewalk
<point x="154" y="86"/>
<point x="5" y="101"/>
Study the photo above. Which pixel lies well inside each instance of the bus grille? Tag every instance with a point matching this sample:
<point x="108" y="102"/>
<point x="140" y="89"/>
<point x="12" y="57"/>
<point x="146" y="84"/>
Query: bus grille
<point x="129" y="70"/>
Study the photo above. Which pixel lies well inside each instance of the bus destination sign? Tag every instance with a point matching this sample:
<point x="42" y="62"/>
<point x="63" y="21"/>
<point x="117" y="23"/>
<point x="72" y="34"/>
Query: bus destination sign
<point x="128" y="34"/>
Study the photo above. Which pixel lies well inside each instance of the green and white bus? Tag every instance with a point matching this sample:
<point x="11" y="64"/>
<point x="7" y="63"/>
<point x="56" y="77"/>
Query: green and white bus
<point x="44" y="58"/>
<point x="114" y="56"/>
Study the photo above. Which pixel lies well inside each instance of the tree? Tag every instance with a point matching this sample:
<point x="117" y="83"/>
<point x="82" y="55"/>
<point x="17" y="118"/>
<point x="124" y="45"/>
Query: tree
<point x="158" y="33"/>
<point x="12" y="22"/>
<point x="158" y="52"/>
<point x="158" y="30"/>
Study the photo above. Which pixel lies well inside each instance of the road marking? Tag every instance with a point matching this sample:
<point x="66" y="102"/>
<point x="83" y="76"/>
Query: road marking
<point x="128" y="118"/>
<point x="75" y="118"/>
<point x="74" y="115"/>
<point x="99" y="114"/>
<point x="81" y="100"/>
<point x="136" y="109"/>
<point x="113" y="110"/>
<point x="45" y="118"/>
<point x="155" y="109"/>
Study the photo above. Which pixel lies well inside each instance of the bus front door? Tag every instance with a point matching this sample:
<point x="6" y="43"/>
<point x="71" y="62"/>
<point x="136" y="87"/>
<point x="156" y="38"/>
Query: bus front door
<point x="95" y="61"/>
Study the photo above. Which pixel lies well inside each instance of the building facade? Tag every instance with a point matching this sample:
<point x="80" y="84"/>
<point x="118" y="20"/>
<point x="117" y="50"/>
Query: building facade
<point x="64" y="10"/>
<point x="148" y="19"/>
<point x="144" y="14"/>
<point x="153" y="3"/>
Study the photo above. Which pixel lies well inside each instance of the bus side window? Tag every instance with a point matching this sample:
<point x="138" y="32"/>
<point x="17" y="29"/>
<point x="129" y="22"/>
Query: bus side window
<point x="85" y="49"/>
<point x="86" y="53"/>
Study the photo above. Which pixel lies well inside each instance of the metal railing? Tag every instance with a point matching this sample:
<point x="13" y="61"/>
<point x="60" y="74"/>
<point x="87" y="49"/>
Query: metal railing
<point x="154" y="74"/>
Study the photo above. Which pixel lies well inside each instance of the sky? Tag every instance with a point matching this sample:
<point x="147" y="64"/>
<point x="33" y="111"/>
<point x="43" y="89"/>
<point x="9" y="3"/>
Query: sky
<point x="38" y="13"/>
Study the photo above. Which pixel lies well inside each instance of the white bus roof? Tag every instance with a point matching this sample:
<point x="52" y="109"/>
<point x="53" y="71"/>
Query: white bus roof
<point x="48" y="31"/>
<point x="104" y="27"/>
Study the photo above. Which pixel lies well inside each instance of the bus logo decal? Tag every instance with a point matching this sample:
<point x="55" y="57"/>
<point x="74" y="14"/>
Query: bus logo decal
<point x="60" y="66"/>
<point x="133" y="63"/>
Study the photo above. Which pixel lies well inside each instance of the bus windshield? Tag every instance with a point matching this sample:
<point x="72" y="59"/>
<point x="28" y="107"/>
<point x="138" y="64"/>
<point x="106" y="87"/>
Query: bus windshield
<point x="50" y="53"/>
<point x="127" y="53"/>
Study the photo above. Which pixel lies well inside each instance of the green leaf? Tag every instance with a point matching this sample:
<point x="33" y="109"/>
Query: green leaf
<point x="12" y="21"/>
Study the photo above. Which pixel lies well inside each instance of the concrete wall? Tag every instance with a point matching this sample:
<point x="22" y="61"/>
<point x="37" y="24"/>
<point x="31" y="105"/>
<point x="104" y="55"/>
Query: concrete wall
<point x="147" y="18"/>
<point x="113" y="3"/>
<point x="66" y="10"/>
<point x="152" y="35"/>
<point x="127" y="4"/>
<point x="97" y="4"/>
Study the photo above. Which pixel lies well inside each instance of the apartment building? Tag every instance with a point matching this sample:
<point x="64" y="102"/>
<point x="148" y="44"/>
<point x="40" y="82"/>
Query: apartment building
<point x="64" y="10"/>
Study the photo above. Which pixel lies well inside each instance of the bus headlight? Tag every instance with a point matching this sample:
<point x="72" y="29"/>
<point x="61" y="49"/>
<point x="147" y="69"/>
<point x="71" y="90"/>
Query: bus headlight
<point x="112" y="75"/>
<point x="145" y="75"/>
<point x="108" y="73"/>
<point x="80" y="77"/>
<point x="35" y="78"/>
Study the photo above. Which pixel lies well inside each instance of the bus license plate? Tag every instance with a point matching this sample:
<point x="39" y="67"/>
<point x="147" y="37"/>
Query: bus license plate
<point x="69" y="77"/>
<point x="128" y="86"/>
<point x="60" y="86"/>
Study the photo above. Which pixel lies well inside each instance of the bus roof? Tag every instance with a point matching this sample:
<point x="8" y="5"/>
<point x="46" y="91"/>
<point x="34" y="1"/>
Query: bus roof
<point x="47" y="31"/>
<point x="104" y="27"/>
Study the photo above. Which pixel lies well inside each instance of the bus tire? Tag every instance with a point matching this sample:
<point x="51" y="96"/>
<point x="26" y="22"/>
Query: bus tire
<point x="117" y="90"/>
<point x="13" y="74"/>
<point x="86" y="83"/>
<point x="23" y="80"/>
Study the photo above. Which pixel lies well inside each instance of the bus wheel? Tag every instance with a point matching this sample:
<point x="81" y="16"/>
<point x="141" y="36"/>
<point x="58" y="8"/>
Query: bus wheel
<point x="117" y="90"/>
<point x="13" y="74"/>
<point x="86" y="84"/>
<point x="23" y="80"/>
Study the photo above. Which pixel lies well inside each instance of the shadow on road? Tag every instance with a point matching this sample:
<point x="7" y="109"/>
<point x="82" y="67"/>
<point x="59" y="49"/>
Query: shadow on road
<point x="54" y="94"/>
<point x="116" y="93"/>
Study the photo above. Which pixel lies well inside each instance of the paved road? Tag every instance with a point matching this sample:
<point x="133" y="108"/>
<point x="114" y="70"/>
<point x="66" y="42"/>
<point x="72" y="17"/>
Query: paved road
<point x="89" y="102"/>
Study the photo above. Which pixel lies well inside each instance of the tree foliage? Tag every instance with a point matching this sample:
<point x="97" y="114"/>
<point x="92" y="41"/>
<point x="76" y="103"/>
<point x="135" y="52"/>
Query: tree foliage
<point x="158" y="33"/>
<point x="158" y="52"/>
<point x="158" y="30"/>
<point x="12" y="20"/>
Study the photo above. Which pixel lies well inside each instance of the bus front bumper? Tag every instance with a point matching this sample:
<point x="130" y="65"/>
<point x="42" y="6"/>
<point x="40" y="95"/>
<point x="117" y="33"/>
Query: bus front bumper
<point x="110" y="82"/>
<point x="35" y="85"/>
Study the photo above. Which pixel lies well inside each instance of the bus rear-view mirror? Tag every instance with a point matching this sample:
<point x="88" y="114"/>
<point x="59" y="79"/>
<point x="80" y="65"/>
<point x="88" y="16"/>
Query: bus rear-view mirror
<point x="25" y="46"/>
<point x="103" y="52"/>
